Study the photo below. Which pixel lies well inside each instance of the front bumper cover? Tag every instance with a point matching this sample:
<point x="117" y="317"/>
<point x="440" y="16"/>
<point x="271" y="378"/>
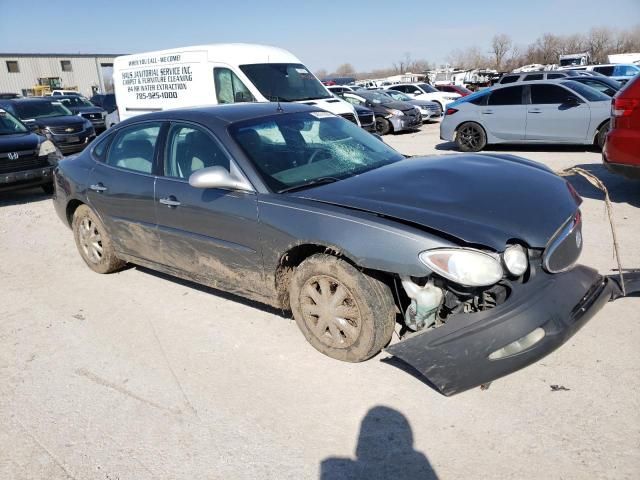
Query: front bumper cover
<point x="455" y="357"/>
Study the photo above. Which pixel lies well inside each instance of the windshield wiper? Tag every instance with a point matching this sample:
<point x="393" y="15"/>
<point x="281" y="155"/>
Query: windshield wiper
<point x="312" y="183"/>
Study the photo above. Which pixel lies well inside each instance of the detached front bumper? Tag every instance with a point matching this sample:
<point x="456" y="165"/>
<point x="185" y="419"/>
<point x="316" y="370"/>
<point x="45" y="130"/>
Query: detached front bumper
<point x="405" y="122"/>
<point x="455" y="357"/>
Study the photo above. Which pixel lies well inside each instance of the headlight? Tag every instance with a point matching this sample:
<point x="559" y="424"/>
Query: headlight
<point x="46" y="148"/>
<point x="515" y="259"/>
<point x="393" y="111"/>
<point x="103" y="114"/>
<point x="465" y="266"/>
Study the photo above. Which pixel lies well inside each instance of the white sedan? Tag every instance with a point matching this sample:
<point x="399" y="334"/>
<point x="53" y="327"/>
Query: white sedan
<point x="424" y="91"/>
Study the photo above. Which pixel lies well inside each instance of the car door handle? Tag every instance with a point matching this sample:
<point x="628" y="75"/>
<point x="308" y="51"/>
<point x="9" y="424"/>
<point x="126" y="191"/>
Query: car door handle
<point x="170" y="201"/>
<point x="487" y="112"/>
<point x="534" y="111"/>
<point x="98" y="187"/>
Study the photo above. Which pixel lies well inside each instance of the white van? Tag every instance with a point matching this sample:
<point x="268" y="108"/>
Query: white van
<point x="217" y="74"/>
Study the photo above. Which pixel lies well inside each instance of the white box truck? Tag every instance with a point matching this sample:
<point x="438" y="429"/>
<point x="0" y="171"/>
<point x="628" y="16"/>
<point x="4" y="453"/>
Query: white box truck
<point x="217" y="74"/>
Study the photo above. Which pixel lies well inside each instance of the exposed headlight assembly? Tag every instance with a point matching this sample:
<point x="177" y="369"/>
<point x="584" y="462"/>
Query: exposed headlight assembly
<point x="394" y="112"/>
<point x="464" y="266"/>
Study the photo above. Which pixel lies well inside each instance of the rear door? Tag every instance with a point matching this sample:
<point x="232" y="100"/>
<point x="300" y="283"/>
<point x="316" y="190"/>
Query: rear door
<point x="210" y="234"/>
<point x="555" y="114"/>
<point x="122" y="185"/>
<point x="504" y="116"/>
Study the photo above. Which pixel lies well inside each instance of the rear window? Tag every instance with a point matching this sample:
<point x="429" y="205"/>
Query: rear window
<point x="506" y="96"/>
<point x="587" y="92"/>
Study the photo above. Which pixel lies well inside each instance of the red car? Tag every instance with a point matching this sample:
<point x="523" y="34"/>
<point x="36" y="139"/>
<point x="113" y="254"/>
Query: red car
<point x="621" y="153"/>
<point x="454" y="89"/>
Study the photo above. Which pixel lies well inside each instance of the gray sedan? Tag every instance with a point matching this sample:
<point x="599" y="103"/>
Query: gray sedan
<point x="429" y="110"/>
<point x="300" y="209"/>
<point x="558" y="111"/>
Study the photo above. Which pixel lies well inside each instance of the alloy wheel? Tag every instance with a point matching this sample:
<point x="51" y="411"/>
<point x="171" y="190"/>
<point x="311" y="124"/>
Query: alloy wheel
<point x="470" y="137"/>
<point x="90" y="240"/>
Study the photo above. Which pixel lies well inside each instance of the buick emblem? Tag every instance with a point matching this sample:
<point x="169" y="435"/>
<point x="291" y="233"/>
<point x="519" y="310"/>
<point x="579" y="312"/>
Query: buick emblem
<point x="13" y="155"/>
<point x="69" y="129"/>
<point x="578" y="239"/>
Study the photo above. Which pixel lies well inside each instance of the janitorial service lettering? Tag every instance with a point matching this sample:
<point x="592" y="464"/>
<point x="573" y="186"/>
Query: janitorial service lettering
<point x="157" y="82"/>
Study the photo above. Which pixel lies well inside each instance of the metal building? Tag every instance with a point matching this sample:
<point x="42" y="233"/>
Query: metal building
<point x="35" y="73"/>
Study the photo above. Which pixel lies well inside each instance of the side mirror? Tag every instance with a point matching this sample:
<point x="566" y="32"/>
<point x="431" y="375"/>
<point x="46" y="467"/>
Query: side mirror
<point x="217" y="177"/>
<point x="33" y="127"/>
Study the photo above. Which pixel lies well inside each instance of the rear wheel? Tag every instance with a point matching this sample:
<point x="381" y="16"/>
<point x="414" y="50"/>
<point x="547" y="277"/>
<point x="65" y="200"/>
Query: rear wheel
<point x="383" y="126"/>
<point x="93" y="243"/>
<point x="470" y="137"/>
<point x="601" y="137"/>
<point x="342" y="312"/>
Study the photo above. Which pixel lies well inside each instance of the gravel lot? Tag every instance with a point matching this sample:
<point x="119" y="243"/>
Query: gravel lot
<point x="135" y="375"/>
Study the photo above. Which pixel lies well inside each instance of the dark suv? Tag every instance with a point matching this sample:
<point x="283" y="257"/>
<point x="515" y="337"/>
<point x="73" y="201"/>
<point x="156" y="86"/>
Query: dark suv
<point x="84" y="108"/>
<point x="26" y="158"/>
<point x="51" y="118"/>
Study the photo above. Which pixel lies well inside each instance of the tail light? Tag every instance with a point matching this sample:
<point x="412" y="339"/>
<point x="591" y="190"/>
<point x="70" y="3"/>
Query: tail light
<point x="623" y="107"/>
<point x="451" y="111"/>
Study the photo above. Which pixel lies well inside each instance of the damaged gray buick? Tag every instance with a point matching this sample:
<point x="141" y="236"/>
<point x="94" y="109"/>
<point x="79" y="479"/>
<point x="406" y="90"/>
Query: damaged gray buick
<point x="471" y="258"/>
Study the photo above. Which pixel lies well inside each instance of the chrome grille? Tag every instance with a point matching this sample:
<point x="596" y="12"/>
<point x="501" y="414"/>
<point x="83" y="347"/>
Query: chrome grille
<point x="92" y="116"/>
<point x="27" y="160"/>
<point x="66" y="130"/>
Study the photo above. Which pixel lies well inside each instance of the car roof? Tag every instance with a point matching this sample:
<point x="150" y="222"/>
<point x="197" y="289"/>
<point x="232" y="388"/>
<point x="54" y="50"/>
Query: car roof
<point x="14" y="101"/>
<point x="230" y="113"/>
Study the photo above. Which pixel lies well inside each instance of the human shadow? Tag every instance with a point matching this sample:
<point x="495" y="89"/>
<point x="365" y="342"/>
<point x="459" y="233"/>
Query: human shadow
<point x="23" y="196"/>
<point x="384" y="451"/>
<point x="520" y="147"/>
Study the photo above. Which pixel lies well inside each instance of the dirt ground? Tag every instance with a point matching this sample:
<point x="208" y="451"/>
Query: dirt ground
<point x="136" y="376"/>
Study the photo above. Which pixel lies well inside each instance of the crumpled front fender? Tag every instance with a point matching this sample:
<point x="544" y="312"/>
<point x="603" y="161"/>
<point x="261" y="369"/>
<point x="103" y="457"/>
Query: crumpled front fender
<point x="455" y="357"/>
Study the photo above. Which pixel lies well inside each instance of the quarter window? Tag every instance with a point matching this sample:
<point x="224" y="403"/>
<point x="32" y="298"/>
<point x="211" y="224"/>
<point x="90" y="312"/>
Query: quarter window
<point x="66" y="65"/>
<point x="12" y="66"/>
<point x="190" y="149"/>
<point x="506" y="96"/>
<point x="549" y="94"/>
<point x="133" y="148"/>
<point x="229" y="88"/>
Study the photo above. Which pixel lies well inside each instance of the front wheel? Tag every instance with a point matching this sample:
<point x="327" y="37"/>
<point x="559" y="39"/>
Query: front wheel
<point x="93" y="243"/>
<point x="383" y="126"/>
<point x="470" y="137"/>
<point x="342" y="312"/>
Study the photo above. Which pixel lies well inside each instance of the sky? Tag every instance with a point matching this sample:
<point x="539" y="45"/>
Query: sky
<point x="323" y="34"/>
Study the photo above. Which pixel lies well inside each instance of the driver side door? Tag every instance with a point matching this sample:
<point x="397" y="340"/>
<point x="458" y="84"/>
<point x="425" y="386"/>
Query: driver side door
<point x="211" y="235"/>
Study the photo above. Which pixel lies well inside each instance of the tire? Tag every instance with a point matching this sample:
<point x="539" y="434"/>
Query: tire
<point x="470" y="137"/>
<point x="383" y="126"/>
<point x="92" y="241"/>
<point x="366" y="307"/>
<point x="601" y="137"/>
<point x="47" y="188"/>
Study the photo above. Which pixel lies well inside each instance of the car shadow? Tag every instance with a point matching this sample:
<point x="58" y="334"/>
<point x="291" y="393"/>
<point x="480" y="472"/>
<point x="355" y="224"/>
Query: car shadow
<point x="21" y="197"/>
<point x="621" y="189"/>
<point x="214" y="291"/>
<point x="384" y="451"/>
<point x="518" y="147"/>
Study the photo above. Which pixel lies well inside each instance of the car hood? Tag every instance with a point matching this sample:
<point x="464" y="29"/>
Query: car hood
<point x="485" y="200"/>
<point x="60" y="121"/>
<point x="19" y="142"/>
<point x="404" y="106"/>
<point x="423" y="103"/>
<point x="86" y="109"/>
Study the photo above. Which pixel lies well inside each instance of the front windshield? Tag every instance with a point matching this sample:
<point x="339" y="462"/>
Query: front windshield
<point x="399" y="96"/>
<point x="10" y="125"/>
<point x="427" y="88"/>
<point x="291" y="151"/>
<point x="376" y="97"/>
<point x="76" y="102"/>
<point x="285" y="82"/>
<point x="587" y="92"/>
<point x="31" y="110"/>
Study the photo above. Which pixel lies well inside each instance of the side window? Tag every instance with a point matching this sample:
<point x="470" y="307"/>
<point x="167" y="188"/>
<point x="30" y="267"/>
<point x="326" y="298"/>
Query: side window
<point x="354" y="100"/>
<point x="608" y="71"/>
<point x="551" y="76"/>
<point x="625" y="70"/>
<point x="133" y="147"/>
<point x="100" y="150"/>
<point x="412" y="89"/>
<point x="190" y="149"/>
<point x="481" y="100"/>
<point x="533" y="76"/>
<point x="509" y="79"/>
<point x="229" y="88"/>
<point x="549" y="94"/>
<point x="400" y="88"/>
<point x="506" y="96"/>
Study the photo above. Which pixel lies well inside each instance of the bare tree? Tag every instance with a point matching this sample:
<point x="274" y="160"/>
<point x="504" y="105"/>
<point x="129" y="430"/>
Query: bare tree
<point x="345" y="70"/>
<point x="599" y="44"/>
<point x="501" y="44"/>
<point x="469" y="58"/>
<point x="322" y="73"/>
